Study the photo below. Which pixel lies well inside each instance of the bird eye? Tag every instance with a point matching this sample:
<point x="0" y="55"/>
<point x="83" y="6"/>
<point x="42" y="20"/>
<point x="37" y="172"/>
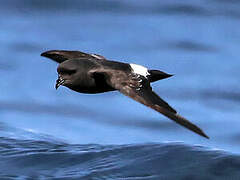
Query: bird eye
<point x="69" y="72"/>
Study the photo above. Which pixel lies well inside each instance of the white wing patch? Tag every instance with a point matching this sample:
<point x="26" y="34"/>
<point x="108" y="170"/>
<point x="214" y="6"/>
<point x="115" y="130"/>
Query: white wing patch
<point x="138" y="69"/>
<point x="97" y="56"/>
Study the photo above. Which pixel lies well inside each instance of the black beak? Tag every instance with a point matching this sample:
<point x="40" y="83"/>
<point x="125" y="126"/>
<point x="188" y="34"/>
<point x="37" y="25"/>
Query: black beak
<point x="60" y="81"/>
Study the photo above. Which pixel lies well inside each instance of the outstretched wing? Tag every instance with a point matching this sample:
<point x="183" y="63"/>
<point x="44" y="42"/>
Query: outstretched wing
<point x="138" y="88"/>
<point x="62" y="55"/>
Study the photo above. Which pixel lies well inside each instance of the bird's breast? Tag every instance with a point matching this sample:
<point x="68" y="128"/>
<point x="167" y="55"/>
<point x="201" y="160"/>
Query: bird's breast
<point x="92" y="89"/>
<point x="91" y="85"/>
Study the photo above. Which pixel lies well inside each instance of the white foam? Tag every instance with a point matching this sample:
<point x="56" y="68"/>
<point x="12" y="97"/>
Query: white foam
<point x="138" y="69"/>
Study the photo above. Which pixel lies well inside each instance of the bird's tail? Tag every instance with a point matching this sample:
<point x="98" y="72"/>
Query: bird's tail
<point x="156" y="75"/>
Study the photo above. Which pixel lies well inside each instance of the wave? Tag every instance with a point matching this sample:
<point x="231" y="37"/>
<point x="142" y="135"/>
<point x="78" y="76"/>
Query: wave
<point x="33" y="159"/>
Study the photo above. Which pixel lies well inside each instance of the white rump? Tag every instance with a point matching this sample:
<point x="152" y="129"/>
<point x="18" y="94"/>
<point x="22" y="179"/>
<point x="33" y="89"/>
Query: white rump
<point x="138" y="69"/>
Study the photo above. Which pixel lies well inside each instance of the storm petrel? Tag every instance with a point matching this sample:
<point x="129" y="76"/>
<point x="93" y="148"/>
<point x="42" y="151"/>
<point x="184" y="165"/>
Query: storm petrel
<point x="93" y="73"/>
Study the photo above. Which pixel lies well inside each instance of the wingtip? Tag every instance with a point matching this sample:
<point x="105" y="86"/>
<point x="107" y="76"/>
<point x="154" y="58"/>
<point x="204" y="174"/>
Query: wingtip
<point x="200" y="132"/>
<point x="43" y="54"/>
<point x="56" y="55"/>
<point x="184" y="122"/>
<point x="48" y="53"/>
<point x="204" y="135"/>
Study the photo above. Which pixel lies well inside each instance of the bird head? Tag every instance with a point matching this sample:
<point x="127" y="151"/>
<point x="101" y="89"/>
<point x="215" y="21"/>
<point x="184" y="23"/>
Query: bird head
<point x="68" y="74"/>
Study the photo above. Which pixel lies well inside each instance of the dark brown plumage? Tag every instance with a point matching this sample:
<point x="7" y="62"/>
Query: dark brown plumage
<point x="92" y="73"/>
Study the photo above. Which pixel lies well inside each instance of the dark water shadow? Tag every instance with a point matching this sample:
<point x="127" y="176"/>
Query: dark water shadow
<point x="153" y="7"/>
<point x="207" y="94"/>
<point x="83" y="112"/>
<point x="6" y="66"/>
<point x="185" y="9"/>
<point x="191" y="46"/>
<point x="61" y="110"/>
<point x="25" y="47"/>
<point x="227" y="1"/>
<point x="221" y="100"/>
<point x="225" y="95"/>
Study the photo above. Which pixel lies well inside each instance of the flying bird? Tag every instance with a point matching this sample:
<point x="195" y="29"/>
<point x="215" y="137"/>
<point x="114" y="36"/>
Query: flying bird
<point x="93" y="73"/>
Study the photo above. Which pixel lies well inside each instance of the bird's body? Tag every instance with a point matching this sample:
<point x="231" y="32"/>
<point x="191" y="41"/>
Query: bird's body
<point x="87" y="82"/>
<point x="92" y="73"/>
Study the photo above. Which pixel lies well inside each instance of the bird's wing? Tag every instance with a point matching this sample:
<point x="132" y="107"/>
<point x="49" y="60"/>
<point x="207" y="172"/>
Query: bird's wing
<point x="60" y="56"/>
<point x="138" y="88"/>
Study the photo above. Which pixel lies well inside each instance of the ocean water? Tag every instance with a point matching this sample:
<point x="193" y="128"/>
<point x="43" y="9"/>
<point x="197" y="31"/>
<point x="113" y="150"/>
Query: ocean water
<point x="49" y="134"/>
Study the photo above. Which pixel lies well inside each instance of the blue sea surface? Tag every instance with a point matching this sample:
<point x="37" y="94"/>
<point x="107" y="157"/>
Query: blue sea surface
<point x="49" y="134"/>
